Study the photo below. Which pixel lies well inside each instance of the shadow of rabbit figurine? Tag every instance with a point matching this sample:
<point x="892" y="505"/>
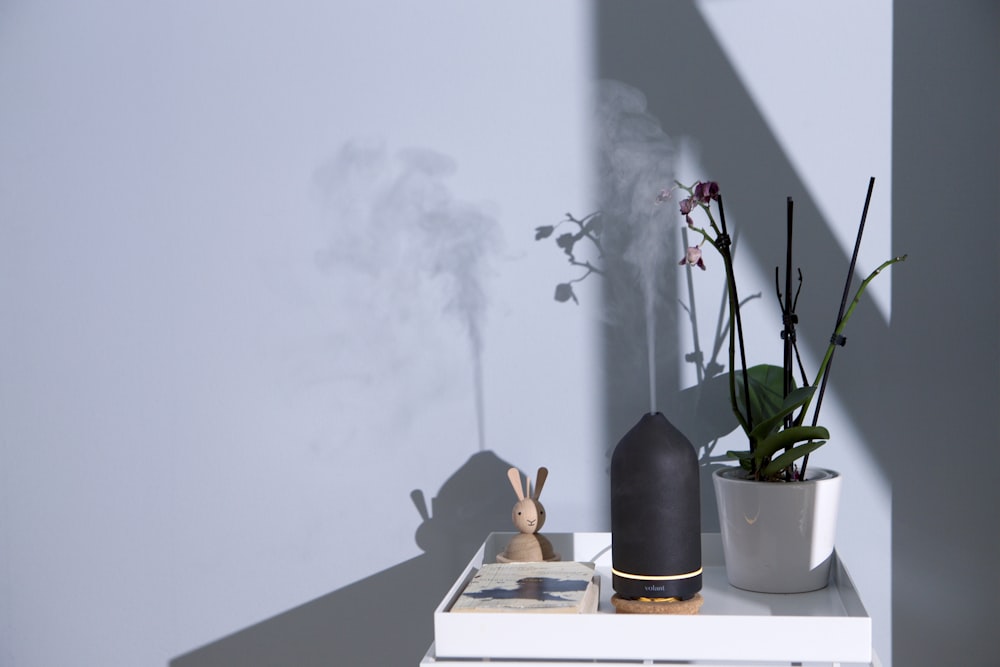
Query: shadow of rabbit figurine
<point x="528" y="516"/>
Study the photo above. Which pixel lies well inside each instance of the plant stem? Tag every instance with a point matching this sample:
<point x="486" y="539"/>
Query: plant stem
<point x="788" y="333"/>
<point x="843" y="302"/>
<point x="843" y="325"/>
<point x="737" y="320"/>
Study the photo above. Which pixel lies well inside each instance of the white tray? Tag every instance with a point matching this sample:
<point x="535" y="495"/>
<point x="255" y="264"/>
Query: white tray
<point x="830" y="625"/>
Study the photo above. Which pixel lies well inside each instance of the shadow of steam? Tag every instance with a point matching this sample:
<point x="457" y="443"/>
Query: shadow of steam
<point x="386" y="618"/>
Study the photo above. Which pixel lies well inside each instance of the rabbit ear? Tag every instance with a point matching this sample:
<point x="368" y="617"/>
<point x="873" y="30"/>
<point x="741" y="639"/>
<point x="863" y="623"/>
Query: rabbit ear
<point x="515" y="480"/>
<point x="542" y="474"/>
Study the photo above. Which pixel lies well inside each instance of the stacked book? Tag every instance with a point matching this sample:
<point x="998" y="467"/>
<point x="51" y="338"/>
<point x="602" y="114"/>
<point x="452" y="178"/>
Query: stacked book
<point x="547" y="587"/>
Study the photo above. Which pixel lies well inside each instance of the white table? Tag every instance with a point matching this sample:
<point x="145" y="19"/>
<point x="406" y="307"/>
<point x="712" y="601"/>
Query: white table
<point x="828" y="627"/>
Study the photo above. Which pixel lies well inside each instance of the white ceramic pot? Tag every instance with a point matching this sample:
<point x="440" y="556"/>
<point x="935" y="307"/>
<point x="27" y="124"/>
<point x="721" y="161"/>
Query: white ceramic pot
<point x="778" y="537"/>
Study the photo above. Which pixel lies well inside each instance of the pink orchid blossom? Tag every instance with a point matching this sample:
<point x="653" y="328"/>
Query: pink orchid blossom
<point x="693" y="258"/>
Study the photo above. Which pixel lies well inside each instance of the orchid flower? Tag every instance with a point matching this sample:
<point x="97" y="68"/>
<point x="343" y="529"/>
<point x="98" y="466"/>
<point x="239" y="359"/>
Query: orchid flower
<point x="693" y="258"/>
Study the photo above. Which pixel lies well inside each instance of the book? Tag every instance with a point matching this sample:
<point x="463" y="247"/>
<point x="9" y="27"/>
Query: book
<point x="547" y="587"/>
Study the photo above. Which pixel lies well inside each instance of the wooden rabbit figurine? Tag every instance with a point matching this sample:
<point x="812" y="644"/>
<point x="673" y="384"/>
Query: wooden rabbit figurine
<point x="528" y="516"/>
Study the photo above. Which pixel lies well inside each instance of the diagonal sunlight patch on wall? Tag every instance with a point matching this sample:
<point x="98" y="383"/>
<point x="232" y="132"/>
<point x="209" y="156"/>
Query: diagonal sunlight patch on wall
<point x="824" y="61"/>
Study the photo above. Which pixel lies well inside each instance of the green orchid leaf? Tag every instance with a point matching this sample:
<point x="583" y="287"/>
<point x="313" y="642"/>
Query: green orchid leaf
<point x="767" y="391"/>
<point x="789" y="457"/>
<point x="787" y="438"/>
<point x="795" y="399"/>
<point x="745" y="457"/>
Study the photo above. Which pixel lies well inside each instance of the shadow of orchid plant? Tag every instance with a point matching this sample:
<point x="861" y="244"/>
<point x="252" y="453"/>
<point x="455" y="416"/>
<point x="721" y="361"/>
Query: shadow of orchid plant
<point x="587" y="228"/>
<point x="768" y="403"/>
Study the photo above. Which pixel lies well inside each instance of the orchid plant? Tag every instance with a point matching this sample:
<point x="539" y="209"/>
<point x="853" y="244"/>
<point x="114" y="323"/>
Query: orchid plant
<point x="768" y="403"/>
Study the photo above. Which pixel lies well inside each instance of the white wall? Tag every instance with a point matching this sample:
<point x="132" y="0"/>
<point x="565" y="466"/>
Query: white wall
<point x="775" y="99"/>
<point x="945" y="372"/>
<point x="828" y="106"/>
<point x="247" y="253"/>
<point x="219" y="388"/>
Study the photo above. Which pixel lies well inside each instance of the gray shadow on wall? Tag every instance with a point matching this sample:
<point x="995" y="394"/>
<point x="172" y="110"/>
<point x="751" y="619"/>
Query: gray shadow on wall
<point x="387" y="618"/>
<point x="666" y="50"/>
<point x="945" y="370"/>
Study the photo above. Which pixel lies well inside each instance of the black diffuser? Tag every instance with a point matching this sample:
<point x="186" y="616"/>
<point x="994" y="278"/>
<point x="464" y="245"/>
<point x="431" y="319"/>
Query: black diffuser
<point x="655" y="513"/>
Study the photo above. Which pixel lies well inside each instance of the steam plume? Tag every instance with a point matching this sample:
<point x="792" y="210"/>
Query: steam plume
<point x="636" y="162"/>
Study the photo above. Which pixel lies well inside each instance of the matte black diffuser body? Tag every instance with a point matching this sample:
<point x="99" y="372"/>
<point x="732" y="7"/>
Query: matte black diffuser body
<point x="655" y="513"/>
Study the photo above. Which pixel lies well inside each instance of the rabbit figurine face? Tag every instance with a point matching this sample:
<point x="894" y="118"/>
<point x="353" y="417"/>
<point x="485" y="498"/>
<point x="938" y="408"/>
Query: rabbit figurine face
<point x="528" y="514"/>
